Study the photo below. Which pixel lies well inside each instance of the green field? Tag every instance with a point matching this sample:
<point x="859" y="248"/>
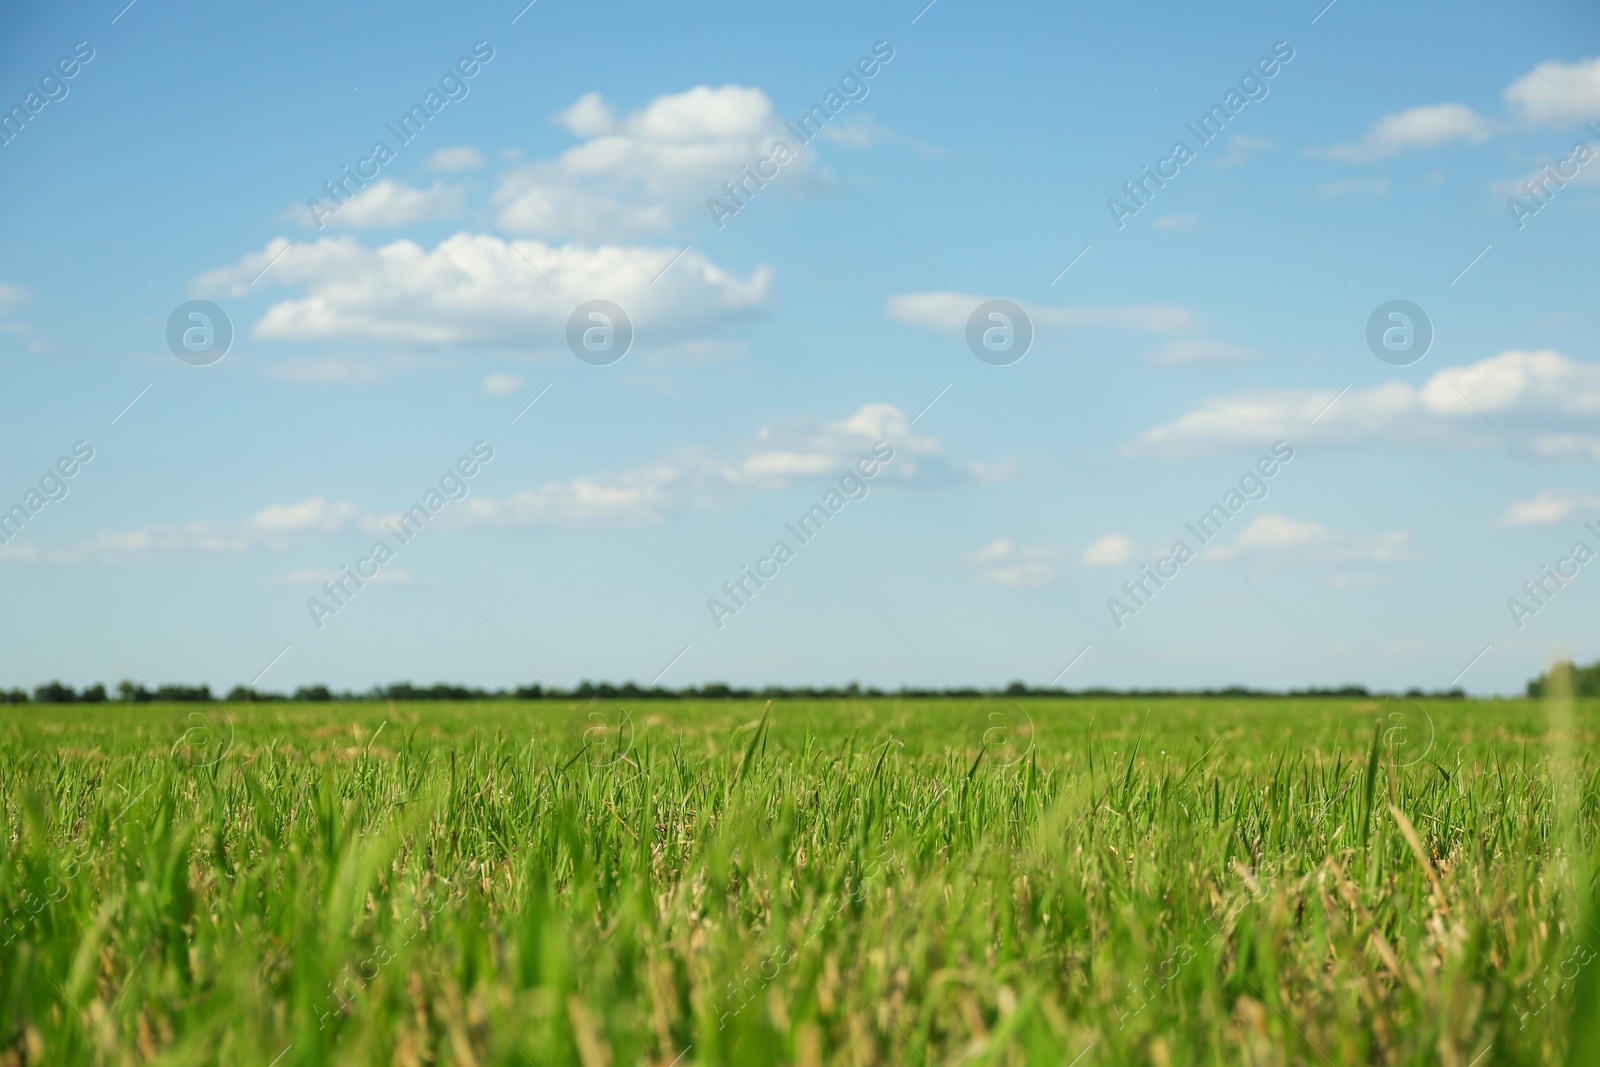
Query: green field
<point x="884" y="881"/>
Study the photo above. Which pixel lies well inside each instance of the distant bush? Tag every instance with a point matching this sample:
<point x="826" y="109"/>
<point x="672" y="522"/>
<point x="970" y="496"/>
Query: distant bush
<point x="55" y="693"/>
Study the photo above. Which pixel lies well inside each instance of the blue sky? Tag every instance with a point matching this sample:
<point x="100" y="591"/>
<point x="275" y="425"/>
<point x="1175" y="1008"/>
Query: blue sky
<point x="775" y="346"/>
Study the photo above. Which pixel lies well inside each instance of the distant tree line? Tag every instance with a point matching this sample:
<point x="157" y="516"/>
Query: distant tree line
<point x="1585" y="680"/>
<point x="131" y="693"/>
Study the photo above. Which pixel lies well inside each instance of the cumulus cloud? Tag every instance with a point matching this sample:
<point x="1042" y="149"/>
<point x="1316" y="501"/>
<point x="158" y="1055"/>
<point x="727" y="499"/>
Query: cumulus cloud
<point x="1112" y="550"/>
<point x="1277" y="538"/>
<point x="477" y="290"/>
<point x="948" y="312"/>
<point x="1551" y="402"/>
<point x="389" y="204"/>
<point x="1552" y="506"/>
<point x="1557" y="94"/>
<point x="1417" y="127"/>
<point x="644" y="173"/>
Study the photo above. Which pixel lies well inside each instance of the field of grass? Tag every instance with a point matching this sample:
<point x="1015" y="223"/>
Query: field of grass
<point x="884" y="881"/>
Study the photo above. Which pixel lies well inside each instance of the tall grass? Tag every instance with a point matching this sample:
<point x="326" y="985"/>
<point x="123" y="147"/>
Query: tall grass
<point x="887" y="882"/>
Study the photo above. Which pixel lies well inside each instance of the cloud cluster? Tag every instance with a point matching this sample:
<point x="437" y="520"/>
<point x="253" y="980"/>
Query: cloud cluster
<point x="1276" y="538"/>
<point x="388" y="204"/>
<point x="778" y="456"/>
<point x="1022" y="567"/>
<point x="644" y="173"/>
<point x="1417" y="127"/>
<point x="275" y="528"/>
<point x="1555" y="94"/>
<point x="785" y="451"/>
<point x="575" y="220"/>
<point x="477" y="290"/>
<point x="1552" y="506"/>
<point x="1548" y="401"/>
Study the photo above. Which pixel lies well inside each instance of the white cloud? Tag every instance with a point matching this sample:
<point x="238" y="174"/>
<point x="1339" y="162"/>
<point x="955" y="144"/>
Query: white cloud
<point x="12" y="296"/>
<point x="798" y="448"/>
<point x="1112" y="550"/>
<point x="1550" y="401"/>
<point x="313" y="514"/>
<point x="1566" y="168"/>
<point x="451" y="160"/>
<point x="590" y="116"/>
<point x="503" y="384"/>
<point x="1418" y="127"/>
<point x="1240" y="148"/>
<point x="793" y="453"/>
<point x="644" y="173"/>
<point x="1006" y="564"/>
<point x="1173" y="223"/>
<point x="861" y="132"/>
<point x="640" y="495"/>
<point x="779" y="456"/>
<point x="1552" y="506"/>
<point x="473" y="289"/>
<point x="997" y="550"/>
<point x="1277" y="538"/>
<point x="1557" y="94"/>
<point x="1029" y="575"/>
<point x="1196" y="353"/>
<point x="388" y="204"/>
<point x="865" y="132"/>
<point x="276" y="527"/>
<point x="948" y="312"/>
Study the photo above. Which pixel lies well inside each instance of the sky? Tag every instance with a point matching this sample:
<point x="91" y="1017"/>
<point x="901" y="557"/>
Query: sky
<point x="659" y="341"/>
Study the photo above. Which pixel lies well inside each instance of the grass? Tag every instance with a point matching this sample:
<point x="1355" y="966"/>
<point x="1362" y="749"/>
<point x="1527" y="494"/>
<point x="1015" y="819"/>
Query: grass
<point x="920" y="882"/>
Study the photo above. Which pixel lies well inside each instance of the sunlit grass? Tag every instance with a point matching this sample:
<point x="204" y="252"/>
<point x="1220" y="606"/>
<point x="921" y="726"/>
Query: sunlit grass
<point x="886" y="881"/>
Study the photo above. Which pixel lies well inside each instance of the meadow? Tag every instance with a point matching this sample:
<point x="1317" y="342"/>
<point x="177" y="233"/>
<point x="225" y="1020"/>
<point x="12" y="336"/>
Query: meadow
<point x="1081" y="882"/>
